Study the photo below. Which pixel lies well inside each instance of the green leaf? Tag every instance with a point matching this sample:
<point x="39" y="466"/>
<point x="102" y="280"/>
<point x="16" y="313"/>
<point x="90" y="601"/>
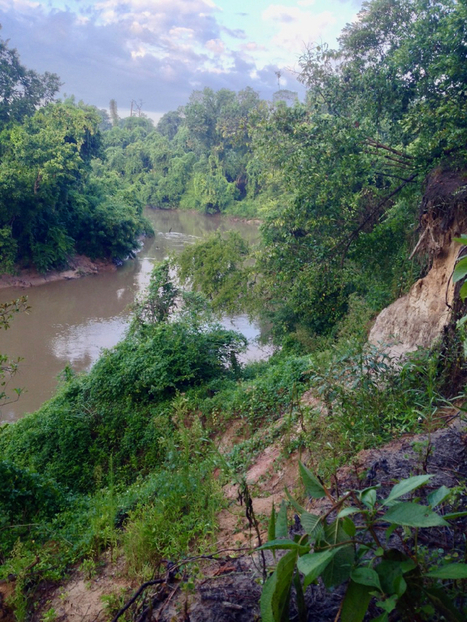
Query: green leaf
<point x="460" y="271"/>
<point x="293" y="503"/>
<point x="438" y="496"/>
<point x="405" y="486"/>
<point x="312" y="485"/>
<point x="463" y="292"/>
<point x="356" y="600"/>
<point x="275" y="596"/>
<point x="392" y="568"/>
<point x="272" y="524"/>
<point x="400" y="585"/>
<point x="462" y="239"/>
<point x="300" y="598"/>
<point x="348" y="512"/>
<point x="339" y="569"/>
<point x="285" y="545"/>
<point x="349" y="526"/>
<point x="450" y="571"/>
<point x="389" y="604"/>
<point x="313" y="564"/>
<point x="413" y="515"/>
<point x="282" y="529"/>
<point x="310" y="523"/>
<point x="369" y="498"/>
<point x="452" y="515"/>
<point x="366" y="576"/>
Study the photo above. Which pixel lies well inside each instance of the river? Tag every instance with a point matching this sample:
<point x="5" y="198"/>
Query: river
<point x="71" y="321"/>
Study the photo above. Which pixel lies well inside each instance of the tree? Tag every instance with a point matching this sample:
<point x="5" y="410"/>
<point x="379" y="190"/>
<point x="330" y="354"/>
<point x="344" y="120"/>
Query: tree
<point x="22" y="90"/>
<point x="9" y="367"/>
<point x="383" y="109"/>
<point x="42" y="160"/>
<point x="114" y="112"/>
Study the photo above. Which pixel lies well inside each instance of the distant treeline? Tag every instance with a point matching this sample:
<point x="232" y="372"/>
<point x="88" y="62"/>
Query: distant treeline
<point x="336" y="179"/>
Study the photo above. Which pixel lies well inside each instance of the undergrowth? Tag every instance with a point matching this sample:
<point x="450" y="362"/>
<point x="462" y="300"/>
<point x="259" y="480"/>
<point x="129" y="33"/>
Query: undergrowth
<point x="123" y="458"/>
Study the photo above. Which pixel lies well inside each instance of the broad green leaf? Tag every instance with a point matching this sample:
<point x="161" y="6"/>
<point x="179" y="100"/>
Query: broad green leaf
<point x="282" y="529"/>
<point x="366" y="576"/>
<point x="405" y="486"/>
<point x="389" y="531"/>
<point x="267" y="595"/>
<point x="389" y="604"/>
<point x="349" y="526"/>
<point x="276" y="591"/>
<point x="450" y="571"/>
<point x="286" y="545"/>
<point x="356" y="601"/>
<point x="310" y="523"/>
<point x="300" y="598"/>
<point x="452" y="515"/>
<point x="369" y="498"/>
<point x="339" y="569"/>
<point x="348" y="512"/>
<point x="463" y="319"/>
<point x="362" y="492"/>
<point x="438" y="496"/>
<point x="340" y="566"/>
<point x="460" y="271"/>
<point x="312" y="485"/>
<point x="313" y="564"/>
<point x="293" y="503"/>
<point x="413" y="515"/>
<point x="400" y="585"/>
<point x="462" y="239"/>
<point x="272" y="524"/>
<point x="463" y="292"/>
<point x="390" y="570"/>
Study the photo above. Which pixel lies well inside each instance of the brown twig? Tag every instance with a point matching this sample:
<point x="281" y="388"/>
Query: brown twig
<point x="136" y="596"/>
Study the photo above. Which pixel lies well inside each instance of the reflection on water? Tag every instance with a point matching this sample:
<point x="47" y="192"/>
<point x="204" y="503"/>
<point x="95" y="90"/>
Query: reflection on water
<point x="71" y="321"/>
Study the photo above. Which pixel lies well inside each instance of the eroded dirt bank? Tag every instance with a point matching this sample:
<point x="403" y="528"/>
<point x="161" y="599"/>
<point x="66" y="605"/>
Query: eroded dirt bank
<point x="78" y="267"/>
<point x="230" y="587"/>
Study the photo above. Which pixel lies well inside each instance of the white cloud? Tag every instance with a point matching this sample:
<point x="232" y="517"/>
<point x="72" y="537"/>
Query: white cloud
<point x="297" y="28"/>
<point x="179" y="32"/>
<point x="252" y="46"/>
<point x="215" y="45"/>
<point x="150" y="50"/>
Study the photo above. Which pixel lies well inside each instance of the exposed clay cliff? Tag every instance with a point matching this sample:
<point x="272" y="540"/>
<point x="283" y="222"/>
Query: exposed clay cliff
<point x="419" y="317"/>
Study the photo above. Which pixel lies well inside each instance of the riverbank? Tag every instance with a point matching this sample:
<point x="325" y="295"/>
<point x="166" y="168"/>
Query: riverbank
<point x="78" y="267"/>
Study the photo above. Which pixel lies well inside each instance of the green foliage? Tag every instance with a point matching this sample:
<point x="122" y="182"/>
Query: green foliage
<point x="357" y="548"/>
<point x="181" y="511"/>
<point x="9" y="367"/>
<point x="22" y="90"/>
<point x="121" y="408"/>
<point x="48" y="208"/>
<point x="359" y="399"/>
<point x="355" y="164"/>
<point x="219" y="267"/>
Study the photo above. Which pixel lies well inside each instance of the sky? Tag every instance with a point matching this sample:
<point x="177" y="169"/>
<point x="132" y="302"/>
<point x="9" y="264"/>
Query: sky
<point x="157" y="52"/>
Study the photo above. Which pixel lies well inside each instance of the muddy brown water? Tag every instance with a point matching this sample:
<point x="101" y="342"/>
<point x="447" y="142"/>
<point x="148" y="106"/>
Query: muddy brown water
<point x="71" y="321"/>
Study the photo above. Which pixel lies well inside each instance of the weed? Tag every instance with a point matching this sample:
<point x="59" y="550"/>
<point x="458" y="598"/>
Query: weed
<point x="358" y="548"/>
<point x="49" y="616"/>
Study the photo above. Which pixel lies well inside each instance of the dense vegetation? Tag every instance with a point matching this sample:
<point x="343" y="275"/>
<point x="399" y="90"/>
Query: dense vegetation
<point x="52" y="205"/>
<point x="125" y="455"/>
